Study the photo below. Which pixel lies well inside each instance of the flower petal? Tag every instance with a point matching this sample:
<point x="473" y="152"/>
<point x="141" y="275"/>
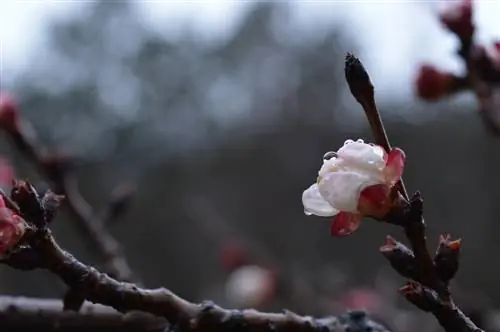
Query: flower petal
<point x="345" y="224"/>
<point x="11" y="233"/>
<point x="363" y="155"/>
<point x="374" y="201"/>
<point x="395" y="166"/>
<point x="329" y="166"/>
<point x="315" y="204"/>
<point x="342" y="188"/>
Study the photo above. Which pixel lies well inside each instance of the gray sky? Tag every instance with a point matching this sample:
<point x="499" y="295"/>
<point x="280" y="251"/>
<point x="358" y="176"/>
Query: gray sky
<point x="396" y="35"/>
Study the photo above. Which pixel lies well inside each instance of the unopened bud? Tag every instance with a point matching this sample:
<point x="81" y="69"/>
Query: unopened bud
<point x="358" y="79"/>
<point x="423" y="298"/>
<point x="400" y="257"/>
<point x="432" y="84"/>
<point x="457" y="18"/>
<point x="12" y="228"/>
<point x="447" y="257"/>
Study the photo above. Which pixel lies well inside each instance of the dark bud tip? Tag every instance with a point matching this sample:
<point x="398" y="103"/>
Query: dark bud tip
<point x="357" y="78"/>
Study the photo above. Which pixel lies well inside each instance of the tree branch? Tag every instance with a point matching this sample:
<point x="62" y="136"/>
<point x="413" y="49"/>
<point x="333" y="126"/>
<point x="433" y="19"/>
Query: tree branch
<point x="58" y="169"/>
<point x="23" y="314"/>
<point x="125" y="297"/>
<point x="428" y="290"/>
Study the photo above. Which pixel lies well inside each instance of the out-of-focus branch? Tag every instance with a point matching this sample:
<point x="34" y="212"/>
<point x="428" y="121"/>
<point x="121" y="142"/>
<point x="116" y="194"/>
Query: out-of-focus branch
<point x="58" y="169"/>
<point x="482" y="65"/>
<point x="26" y="314"/>
<point x="428" y="288"/>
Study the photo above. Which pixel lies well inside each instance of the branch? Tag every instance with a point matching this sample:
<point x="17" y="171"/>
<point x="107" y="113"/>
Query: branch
<point x="482" y="69"/>
<point x="58" y="169"/>
<point x="24" y="314"/>
<point x="32" y="246"/>
<point x="125" y="297"/>
<point x="428" y="289"/>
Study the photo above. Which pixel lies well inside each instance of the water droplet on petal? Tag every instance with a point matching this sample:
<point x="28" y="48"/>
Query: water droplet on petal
<point x="329" y="155"/>
<point x="349" y="141"/>
<point x="360" y="141"/>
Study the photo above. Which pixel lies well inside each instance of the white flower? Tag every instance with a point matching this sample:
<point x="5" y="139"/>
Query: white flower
<point x="354" y="168"/>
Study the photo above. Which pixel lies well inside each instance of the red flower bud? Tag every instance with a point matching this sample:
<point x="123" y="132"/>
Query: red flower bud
<point x="12" y="227"/>
<point x="458" y="19"/>
<point x="9" y="114"/>
<point x="432" y="84"/>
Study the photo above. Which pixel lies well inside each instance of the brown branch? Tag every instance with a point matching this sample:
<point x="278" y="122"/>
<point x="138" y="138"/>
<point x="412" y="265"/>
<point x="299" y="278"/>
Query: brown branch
<point x="58" y="170"/>
<point x="37" y="249"/>
<point x="25" y="314"/>
<point x="428" y="291"/>
<point x="125" y="297"/>
<point x="473" y="58"/>
<point x="482" y="71"/>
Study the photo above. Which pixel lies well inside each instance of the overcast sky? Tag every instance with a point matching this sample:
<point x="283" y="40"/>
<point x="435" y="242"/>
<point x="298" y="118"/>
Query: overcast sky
<point x="395" y="35"/>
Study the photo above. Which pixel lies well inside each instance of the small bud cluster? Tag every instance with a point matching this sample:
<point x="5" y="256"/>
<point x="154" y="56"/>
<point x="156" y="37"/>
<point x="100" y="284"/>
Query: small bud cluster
<point x="417" y="290"/>
<point x="482" y="62"/>
<point x="24" y="210"/>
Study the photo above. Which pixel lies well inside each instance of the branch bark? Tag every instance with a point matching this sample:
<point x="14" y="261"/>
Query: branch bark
<point x="126" y="297"/>
<point x="46" y="315"/>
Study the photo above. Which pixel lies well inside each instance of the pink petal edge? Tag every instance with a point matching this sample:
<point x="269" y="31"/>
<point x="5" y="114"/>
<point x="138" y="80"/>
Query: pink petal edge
<point x="374" y="200"/>
<point x="394" y="166"/>
<point x="344" y="224"/>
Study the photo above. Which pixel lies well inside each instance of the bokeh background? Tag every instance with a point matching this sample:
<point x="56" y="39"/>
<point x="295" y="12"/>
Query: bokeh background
<point x="220" y="112"/>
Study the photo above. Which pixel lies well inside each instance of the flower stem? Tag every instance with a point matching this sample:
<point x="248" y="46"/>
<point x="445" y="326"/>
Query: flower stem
<point x="362" y="89"/>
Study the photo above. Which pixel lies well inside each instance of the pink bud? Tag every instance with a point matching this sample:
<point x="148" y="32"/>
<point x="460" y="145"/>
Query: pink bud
<point x="344" y="224"/>
<point x="432" y="84"/>
<point x="394" y="166"/>
<point x="12" y="228"/>
<point x="458" y="19"/>
<point x="9" y="114"/>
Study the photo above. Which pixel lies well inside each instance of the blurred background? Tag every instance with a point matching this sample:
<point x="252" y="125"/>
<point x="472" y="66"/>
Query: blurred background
<point x="219" y="113"/>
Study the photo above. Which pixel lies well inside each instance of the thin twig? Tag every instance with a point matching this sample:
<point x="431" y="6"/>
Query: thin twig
<point x="57" y="169"/>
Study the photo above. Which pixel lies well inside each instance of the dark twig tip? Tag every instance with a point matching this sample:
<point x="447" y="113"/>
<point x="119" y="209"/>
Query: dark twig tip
<point x="358" y="79"/>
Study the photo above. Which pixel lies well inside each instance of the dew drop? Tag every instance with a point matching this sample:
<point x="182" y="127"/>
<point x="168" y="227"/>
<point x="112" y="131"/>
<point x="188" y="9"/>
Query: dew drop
<point x="329" y="155"/>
